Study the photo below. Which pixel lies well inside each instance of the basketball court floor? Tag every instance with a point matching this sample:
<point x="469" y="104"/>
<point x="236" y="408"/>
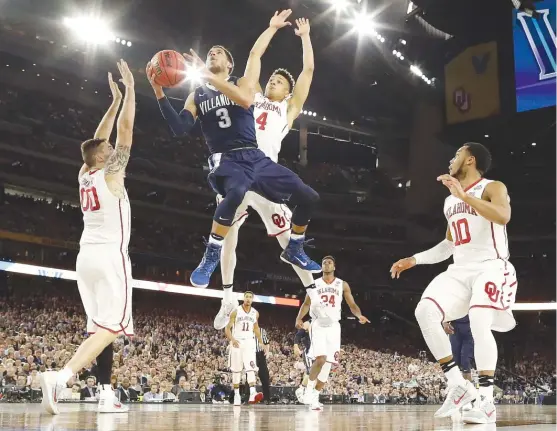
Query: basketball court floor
<point x="264" y="418"/>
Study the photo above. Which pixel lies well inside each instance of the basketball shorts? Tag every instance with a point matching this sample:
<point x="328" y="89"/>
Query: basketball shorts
<point x="104" y="280"/>
<point x="490" y="285"/>
<point x="243" y="357"/>
<point x="325" y="341"/>
<point x="276" y="217"/>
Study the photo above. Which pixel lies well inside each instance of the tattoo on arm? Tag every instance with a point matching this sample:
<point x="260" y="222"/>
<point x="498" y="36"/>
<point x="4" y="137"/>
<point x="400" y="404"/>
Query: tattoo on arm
<point x="118" y="160"/>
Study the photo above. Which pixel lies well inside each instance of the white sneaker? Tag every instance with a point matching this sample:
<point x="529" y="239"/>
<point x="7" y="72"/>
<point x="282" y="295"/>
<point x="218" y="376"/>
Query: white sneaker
<point x="237" y="400"/>
<point x="108" y="403"/>
<point x="51" y="390"/>
<point x="223" y="316"/>
<point x="300" y="394"/>
<point x="483" y="413"/>
<point x="468" y="407"/>
<point x="310" y="396"/>
<point x="316" y="405"/>
<point x="457" y="397"/>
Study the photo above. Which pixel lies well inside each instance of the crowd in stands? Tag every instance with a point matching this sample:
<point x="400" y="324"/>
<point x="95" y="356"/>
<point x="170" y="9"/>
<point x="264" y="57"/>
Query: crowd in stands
<point x="175" y="349"/>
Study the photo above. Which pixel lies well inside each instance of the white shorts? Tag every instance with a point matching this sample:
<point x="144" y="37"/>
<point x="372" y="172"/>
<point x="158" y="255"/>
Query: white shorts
<point x="276" y="217"/>
<point x="243" y="357"/>
<point x="325" y="341"/>
<point x="490" y="284"/>
<point x="104" y="279"/>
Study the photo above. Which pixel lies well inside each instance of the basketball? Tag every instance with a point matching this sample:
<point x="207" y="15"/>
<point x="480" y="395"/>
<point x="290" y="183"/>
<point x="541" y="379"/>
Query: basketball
<point x="169" y="67"/>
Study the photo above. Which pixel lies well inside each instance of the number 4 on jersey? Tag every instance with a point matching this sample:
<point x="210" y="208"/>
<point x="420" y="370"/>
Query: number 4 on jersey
<point x="262" y="120"/>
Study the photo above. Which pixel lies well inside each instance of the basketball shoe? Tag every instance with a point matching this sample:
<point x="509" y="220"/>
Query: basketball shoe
<point x="51" y="389"/>
<point x="457" y="397"/>
<point x="201" y="276"/>
<point x="223" y="316"/>
<point x="484" y="412"/>
<point x="108" y="403"/>
<point x="255" y="398"/>
<point x="294" y="254"/>
<point x="300" y="394"/>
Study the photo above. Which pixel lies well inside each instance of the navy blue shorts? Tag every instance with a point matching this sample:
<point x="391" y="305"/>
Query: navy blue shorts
<point x="252" y="169"/>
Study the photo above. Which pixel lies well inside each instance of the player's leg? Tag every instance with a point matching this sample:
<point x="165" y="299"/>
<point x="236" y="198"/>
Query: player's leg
<point x="231" y="176"/>
<point x="227" y="267"/>
<point x="445" y="299"/>
<point x="493" y="294"/>
<point x="280" y="184"/>
<point x="250" y="364"/>
<point x="333" y="344"/>
<point x="236" y="366"/>
<point x="277" y="219"/>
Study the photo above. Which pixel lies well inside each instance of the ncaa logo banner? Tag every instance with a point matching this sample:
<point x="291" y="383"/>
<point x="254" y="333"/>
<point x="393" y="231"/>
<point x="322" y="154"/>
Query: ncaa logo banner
<point x="472" y="84"/>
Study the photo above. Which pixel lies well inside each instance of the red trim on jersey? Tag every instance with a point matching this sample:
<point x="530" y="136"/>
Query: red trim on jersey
<point x="494" y="242"/>
<point x="472" y="185"/>
<point x="438" y="306"/>
<point x="332" y="281"/>
<point x="274" y="235"/>
<point x="239" y="218"/>
<point x="123" y="264"/>
<point x="514" y="284"/>
<point x="490" y="306"/>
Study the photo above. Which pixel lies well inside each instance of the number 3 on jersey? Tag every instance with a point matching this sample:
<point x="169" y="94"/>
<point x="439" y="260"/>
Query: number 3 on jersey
<point x="224" y="118"/>
<point x="262" y="120"/>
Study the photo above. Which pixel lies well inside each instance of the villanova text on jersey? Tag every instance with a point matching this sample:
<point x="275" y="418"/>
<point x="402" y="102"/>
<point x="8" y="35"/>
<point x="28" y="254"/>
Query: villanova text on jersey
<point x="226" y="125"/>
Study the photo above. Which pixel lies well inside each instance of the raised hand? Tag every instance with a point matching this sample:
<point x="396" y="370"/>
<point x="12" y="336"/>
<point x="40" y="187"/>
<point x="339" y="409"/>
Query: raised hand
<point x="116" y="93"/>
<point x="279" y="19"/>
<point x="303" y="27"/>
<point x="127" y="76"/>
<point x="453" y="185"/>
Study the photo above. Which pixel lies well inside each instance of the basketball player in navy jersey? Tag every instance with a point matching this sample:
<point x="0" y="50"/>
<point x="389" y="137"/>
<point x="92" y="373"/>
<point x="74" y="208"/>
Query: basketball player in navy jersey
<point x="224" y="105"/>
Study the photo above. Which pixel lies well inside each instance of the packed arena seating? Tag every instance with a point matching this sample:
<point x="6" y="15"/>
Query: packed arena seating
<point x="42" y="323"/>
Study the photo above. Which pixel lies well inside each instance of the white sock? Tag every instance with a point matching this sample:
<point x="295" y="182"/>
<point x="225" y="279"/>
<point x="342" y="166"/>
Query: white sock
<point x="454" y="376"/>
<point x="217" y="241"/>
<point x="297" y="236"/>
<point x="64" y="375"/>
<point x="251" y="390"/>
<point x="236" y="393"/>
<point x="311" y="385"/>
<point x="227" y="293"/>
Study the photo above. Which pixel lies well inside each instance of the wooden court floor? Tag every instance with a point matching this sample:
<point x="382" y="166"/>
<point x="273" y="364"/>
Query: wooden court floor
<point x="264" y="418"/>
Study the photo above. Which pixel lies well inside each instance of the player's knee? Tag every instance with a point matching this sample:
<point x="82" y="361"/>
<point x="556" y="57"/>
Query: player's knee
<point x="236" y="378"/>
<point x="320" y="361"/>
<point x="427" y="313"/>
<point x="235" y="195"/>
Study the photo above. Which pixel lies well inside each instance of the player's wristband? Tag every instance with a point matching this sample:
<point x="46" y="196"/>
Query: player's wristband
<point x="180" y="124"/>
<point x="439" y="253"/>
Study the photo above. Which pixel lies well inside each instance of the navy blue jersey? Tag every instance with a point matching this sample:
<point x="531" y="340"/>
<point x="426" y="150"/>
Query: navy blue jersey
<point x="302" y="339"/>
<point x="226" y="126"/>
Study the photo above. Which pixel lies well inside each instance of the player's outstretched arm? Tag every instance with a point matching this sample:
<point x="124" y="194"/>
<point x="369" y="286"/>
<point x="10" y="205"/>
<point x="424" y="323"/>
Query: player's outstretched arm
<point x="304" y="310"/>
<point x="116" y="164"/>
<point x="301" y="89"/>
<point x="253" y="66"/>
<point x="107" y="123"/>
<point x="494" y="205"/>
<point x="352" y="304"/>
<point x="436" y="254"/>
<point x="180" y="123"/>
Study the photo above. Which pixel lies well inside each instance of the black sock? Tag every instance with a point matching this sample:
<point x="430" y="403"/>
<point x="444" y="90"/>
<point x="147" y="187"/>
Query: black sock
<point x="227" y="286"/>
<point x="485" y="381"/>
<point x="448" y="366"/>
<point x="104" y="363"/>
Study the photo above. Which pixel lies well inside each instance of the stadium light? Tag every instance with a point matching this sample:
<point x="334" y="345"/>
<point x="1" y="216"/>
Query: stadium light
<point x="416" y="70"/>
<point x="339" y="5"/>
<point x="193" y="75"/>
<point x="91" y="30"/>
<point x="363" y="24"/>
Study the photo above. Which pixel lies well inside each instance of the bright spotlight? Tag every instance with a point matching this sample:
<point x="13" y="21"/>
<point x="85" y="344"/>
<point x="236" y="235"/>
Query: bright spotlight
<point x="310" y="113"/>
<point x="89" y="29"/>
<point x="123" y="42"/>
<point x="339" y="5"/>
<point x="304" y="112"/>
<point x="362" y="23"/>
<point x="416" y="70"/>
<point x="315" y="114"/>
<point x="403" y="41"/>
<point x="118" y="40"/>
<point x="401" y="57"/>
<point x="324" y="118"/>
<point x="395" y="52"/>
<point x="129" y="43"/>
<point x="193" y="75"/>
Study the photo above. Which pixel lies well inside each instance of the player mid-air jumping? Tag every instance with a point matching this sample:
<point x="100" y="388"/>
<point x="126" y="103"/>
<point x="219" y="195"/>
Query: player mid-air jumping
<point x="481" y="282"/>
<point x="103" y="266"/>
<point x="274" y="112"/>
<point x="224" y="105"/>
<point x="324" y="304"/>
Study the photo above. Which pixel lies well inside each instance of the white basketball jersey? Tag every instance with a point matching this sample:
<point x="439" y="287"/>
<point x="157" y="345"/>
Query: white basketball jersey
<point x="330" y="295"/>
<point x="271" y="125"/>
<point x="475" y="238"/>
<point x="244" y="323"/>
<point x="106" y="219"/>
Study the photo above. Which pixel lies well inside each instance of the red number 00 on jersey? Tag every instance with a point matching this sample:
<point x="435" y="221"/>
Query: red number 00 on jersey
<point x="89" y="199"/>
